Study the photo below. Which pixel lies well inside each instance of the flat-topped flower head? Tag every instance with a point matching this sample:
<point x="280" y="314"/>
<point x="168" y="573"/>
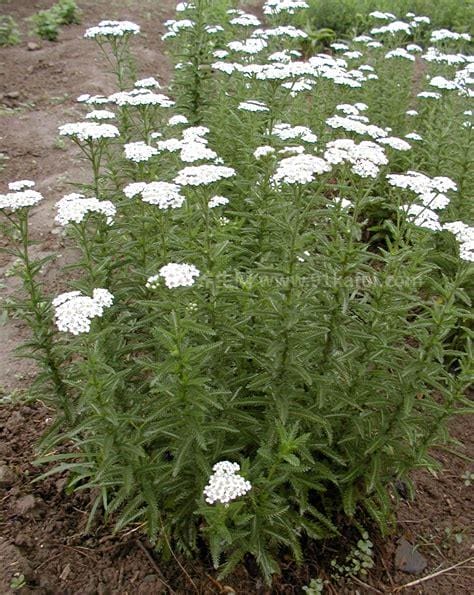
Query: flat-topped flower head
<point x="88" y="131"/>
<point x="73" y="208"/>
<point x="20" y="185"/>
<point x="174" y="275"/>
<point x="148" y="83"/>
<point x="289" y="6"/>
<point x="139" y="151"/>
<point x="202" y="175"/>
<point x="300" y="169"/>
<point x="13" y="201"/>
<point x="162" y="194"/>
<point x="225" y="484"/>
<point x="253" y="106"/>
<point x="112" y="29"/>
<point x="177" y="120"/>
<point x="421" y="216"/>
<point x="140" y="97"/>
<point x="74" y="311"/>
<point x="263" y="151"/>
<point x="100" y="114"/>
<point x="217" y="201"/>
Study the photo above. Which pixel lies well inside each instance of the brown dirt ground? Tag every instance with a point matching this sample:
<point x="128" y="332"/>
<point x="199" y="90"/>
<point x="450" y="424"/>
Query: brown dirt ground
<point x="41" y="528"/>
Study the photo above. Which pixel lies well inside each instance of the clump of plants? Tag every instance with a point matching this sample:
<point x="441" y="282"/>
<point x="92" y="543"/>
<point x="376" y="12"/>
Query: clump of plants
<point x="256" y="345"/>
<point x="9" y="32"/>
<point x="47" y="23"/>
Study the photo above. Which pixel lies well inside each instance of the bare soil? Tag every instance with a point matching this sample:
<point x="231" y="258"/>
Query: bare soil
<point x="42" y="529"/>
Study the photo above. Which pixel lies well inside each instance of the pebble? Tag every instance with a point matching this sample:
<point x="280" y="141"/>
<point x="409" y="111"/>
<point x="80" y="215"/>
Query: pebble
<point x="408" y="558"/>
<point x="32" y="46"/>
<point x="7" y="476"/>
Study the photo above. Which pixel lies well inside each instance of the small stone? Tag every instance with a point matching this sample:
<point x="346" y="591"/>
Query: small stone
<point x="7" y="476"/>
<point x="32" y="46"/>
<point x="25" y="504"/>
<point x="408" y="558"/>
<point x="12" y="94"/>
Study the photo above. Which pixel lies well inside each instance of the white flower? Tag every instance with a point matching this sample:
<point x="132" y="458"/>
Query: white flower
<point x="176" y="120"/>
<point x="133" y="189"/>
<point x="300" y="169"/>
<point x="249" y="46"/>
<point x="366" y="157"/>
<point x="278" y="6"/>
<point x="20" y="185"/>
<point x="74" y="207"/>
<point x="422" y="217"/>
<point x="396" y="143"/>
<point x="140" y="97"/>
<point x="286" y="131"/>
<point x="442" y="34"/>
<point x="85" y="131"/>
<point x="429" y="95"/>
<point x="203" y="175"/>
<point x="411" y="112"/>
<point x="253" y="106"/>
<point x="225" y="484"/>
<point x="139" y="151"/>
<point x="100" y="114"/>
<point x="163" y="194"/>
<point x="245" y="20"/>
<point x="148" y="83"/>
<point x="74" y="311"/>
<point x="175" y="275"/>
<point x="462" y="231"/>
<point x="18" y="200"/>
<point x="263" y="151"/>
<point x="217" y="201"/>
<point x="112" y="29"/>
<point x="351" y="124"/>
<point x="413" y="136"/>
<point x="400" y="53"/>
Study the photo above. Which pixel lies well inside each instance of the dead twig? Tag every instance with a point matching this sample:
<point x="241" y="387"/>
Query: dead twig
<point x="154" y="564"/>
<point x="435" y="574"/>
<point x="367" y="586"/>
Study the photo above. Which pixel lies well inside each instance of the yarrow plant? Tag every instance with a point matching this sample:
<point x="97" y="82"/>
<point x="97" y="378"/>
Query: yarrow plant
<point x="268" y="324"/>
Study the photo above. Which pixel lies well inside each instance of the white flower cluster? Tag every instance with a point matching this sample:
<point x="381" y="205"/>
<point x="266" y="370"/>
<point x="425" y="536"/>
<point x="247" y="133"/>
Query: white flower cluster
<point x="429" y="95"/>
<point x="253" y="105"/>
<point x="74" y="207"/>
<point x="21" y="196"/>
<point x="263" y="151"/>
<point x="162" y="194"/>
<point x="140" y="97"/>
<point x="286" y="131"/>
<point x="244" y="19"/>
<point x="134" y="188"/>
<point x="443" y="34"/>
<point x="392" y="28"/>
<point x="177" y="120"/>
<point x="282" y="31"/>
<point x="92" y="99"/>
<point x="429" y="190"/>
<point x="217" y="201"/>
<point x="100" y="114"/>
<point x="383" y="16"/>
<point x="396" y="143"/>
<point x="422" y="217"/>
<point x="300" y="169"/>
<point x="87" y="131"/>
<point x="20" y="185"/>
<point x="175" y="27"/>
<point x="400" y="53"/>
<point x="175" y="275"/>
<point x="357" y="124"/>
<point x="112" y="29"/>
<point x="465" y="236"/>
<point x="192" y="146"/>
<point x="249" y="46"/>
<point x="289" y="6"/>
<point x="74" y="311"/>
<point x="148" y="83"/>
<point x="201" y="175"/>
<point x="139" y="151"/>
<point x="366" y="157"/>
<point x="225" y="484"/>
